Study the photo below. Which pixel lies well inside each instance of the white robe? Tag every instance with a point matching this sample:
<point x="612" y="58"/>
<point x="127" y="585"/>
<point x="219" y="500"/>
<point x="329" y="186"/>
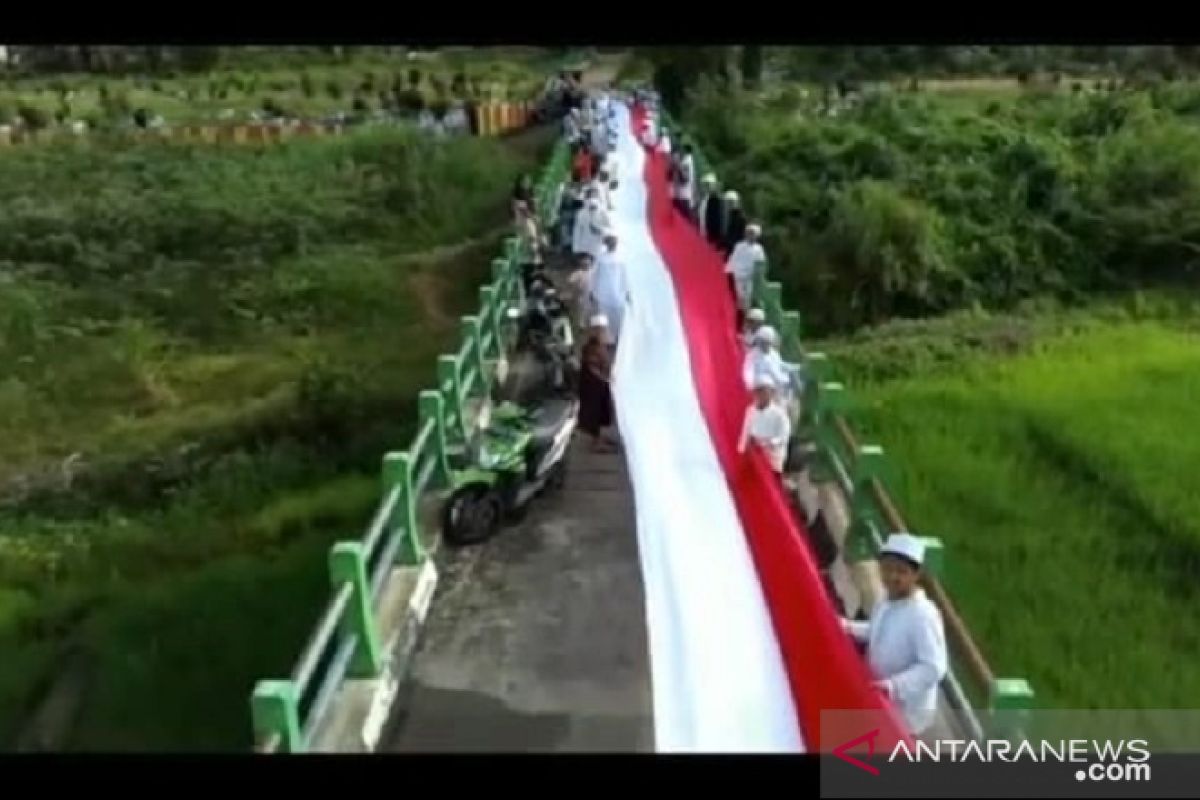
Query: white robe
<point x="590" y="226"/>
<point x="742" y="262"/>
<point x="906" y="646"/>
<point x="610" y="291"/>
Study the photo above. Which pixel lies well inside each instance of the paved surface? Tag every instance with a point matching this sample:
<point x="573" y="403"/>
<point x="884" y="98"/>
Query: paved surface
<point x="536" y="642"/>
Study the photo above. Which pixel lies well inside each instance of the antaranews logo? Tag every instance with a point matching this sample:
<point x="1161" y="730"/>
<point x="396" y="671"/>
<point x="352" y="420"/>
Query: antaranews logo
<point x="1123" y="760"/>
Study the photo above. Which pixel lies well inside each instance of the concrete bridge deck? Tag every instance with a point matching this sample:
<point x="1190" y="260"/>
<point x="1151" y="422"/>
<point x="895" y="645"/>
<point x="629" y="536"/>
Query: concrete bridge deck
<point x="536" y="641"/>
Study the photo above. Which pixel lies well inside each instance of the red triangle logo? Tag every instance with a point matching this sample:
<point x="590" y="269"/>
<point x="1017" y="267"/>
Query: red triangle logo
<point x="869" y="738"/>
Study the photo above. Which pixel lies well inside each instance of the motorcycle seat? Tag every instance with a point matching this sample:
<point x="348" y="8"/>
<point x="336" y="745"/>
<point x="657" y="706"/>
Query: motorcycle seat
<point x="548" y="418"/>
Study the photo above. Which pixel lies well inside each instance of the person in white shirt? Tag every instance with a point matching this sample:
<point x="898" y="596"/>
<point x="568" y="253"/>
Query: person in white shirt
<point x="764" y="358"/>
<point x="767" y="425"/>
<point x="683" y="188"/>
<point x="743" y="261"/>
<point x="755" y="319"/>
<point x="609" y="290"/>
<point x="905" y="636"/>
<point x="591" y="223"/>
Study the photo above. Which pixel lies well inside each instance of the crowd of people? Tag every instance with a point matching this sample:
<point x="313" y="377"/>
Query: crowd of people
<point x="901" y="635"/>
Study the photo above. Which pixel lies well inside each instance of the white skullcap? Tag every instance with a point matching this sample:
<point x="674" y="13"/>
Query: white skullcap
<point x="766" y="335"/>
<point x="598" y="321"/>
<point x="756" y="315"/>
<point x="763" y="381"/>
<point x="755" y="229"/>
<point x="709" y="178"/>
<point x="906" y="546"/>
<point x="732" y="196"/>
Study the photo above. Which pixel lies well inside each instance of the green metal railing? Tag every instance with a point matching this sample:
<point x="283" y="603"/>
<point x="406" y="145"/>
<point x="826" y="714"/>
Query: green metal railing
<point x="346" y="642"/>
<point x="863" y="473"/>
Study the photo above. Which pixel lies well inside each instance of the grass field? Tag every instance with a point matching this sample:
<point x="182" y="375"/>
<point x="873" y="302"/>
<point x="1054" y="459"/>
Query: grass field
<point x="210" y="349"/>
<point x="1059" y="478"/>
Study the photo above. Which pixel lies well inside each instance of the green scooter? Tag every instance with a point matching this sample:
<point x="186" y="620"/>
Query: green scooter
<point x="515" y="454"/>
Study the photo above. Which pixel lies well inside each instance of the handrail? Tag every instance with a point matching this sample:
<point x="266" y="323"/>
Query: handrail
<point x="833" y="429"/>
<point x="345" y="642"/>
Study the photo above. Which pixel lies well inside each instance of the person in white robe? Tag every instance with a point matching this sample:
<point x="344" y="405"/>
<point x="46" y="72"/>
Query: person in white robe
<point x="584" y="234"/>
<point x="905" y="635"/>
<point x="764" y="358"/>
<point x="766" y="424"/>
<point x="755" y="319"/>
<point x="609" y="288"/>
<point x="743" y="261"/>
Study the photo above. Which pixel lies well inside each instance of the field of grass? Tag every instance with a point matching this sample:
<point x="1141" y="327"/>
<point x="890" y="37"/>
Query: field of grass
<point x="209" y="349"/>
<point x="1058" y="475"/>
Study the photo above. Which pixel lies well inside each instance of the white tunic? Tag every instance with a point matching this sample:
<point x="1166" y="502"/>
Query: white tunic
<point x="770" y="428"/>
<point x="744" y="258"/>
<point x="590" y="226"/>
<point x="770" y="364"/>
<point x="906" y="646"/>
<point x="610" y="290"/>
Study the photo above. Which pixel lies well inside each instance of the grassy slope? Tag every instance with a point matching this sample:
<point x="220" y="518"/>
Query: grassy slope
<point x="174" y="604"/>
<point x="1057" y="479"/>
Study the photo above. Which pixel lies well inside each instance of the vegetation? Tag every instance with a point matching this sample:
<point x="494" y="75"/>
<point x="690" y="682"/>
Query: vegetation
<point x="209" y="349"/>
<point x="1003" y="269"/>
<point x="266" y="80"/>
<point x="916" y="203"/>
<point x="1054" y="475"/>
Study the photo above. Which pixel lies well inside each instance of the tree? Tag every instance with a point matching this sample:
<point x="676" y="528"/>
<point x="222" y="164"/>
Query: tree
<point x="678" y="69"/>
<point x="752" y="66"/>
<point x="199" y="59"/>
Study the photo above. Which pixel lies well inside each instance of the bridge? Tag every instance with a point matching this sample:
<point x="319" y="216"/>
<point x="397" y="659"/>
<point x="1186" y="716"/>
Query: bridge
<point x="537" y="641"/>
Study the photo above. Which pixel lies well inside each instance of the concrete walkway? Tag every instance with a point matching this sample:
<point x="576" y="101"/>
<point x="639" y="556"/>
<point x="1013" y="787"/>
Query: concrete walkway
<point x="536" y="641"/>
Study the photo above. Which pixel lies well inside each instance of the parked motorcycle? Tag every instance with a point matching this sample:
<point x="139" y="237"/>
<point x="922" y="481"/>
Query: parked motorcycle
<point x="543" y="363"/>
<point x="515" y="455"/>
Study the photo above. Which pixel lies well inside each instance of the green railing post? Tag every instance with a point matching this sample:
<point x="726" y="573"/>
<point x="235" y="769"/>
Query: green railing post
<point x="861" y="543"/>
<point x="398" y="469"/>
<point x="449" y="375"/>
<point x="1010" y="701"/>
<point x="275" y="711"/>
<point x="512" y="250"/>
<point x="348" y="564"/>
<point x="935" y="557"/>
<point x="773" y="302"/>
<point x="791" y="331"/>
<point x="830" y="398"/>
<point x="499" y="268"/>
<point x="493" y="318"/>
<point x="472" y="331"/>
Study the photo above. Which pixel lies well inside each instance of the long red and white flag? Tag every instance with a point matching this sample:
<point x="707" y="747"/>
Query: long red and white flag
<point x="745" y="648"/>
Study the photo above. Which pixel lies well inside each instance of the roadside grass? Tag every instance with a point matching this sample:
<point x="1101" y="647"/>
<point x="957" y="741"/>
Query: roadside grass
<point x="228" y="398"/>
<point x="1058" y="479"/>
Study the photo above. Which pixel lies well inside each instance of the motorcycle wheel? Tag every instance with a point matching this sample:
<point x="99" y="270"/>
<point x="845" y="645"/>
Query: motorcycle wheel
<point x="471" y="516"/>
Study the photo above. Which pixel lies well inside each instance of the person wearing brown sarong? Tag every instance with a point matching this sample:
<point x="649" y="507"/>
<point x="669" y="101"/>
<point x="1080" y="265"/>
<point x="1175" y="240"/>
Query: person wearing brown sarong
<point x="596" y="412"/>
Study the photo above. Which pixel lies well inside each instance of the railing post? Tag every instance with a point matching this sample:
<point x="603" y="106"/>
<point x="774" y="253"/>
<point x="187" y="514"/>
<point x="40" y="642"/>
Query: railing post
<point x="472" y="332"/>
<point x="861" y="544"/>
<point x="1010" y="701"/>
<point x="448" y="373"/>
<point x="816" y="366"/>
<point x="275" y="711"/>
<point x="347" y="564"/>
<point x="830" y="398"/>
<point x="935" y="558"/>
<point x="791" y="326"/>
<point x="493" y="317"/>
<point x="398" y="471"/>
<point x="773" y="302"/>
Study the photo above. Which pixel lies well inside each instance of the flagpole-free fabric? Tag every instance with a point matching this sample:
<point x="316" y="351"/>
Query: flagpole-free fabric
<point x="718" y="678"/>
<point x="823" y="670"/>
